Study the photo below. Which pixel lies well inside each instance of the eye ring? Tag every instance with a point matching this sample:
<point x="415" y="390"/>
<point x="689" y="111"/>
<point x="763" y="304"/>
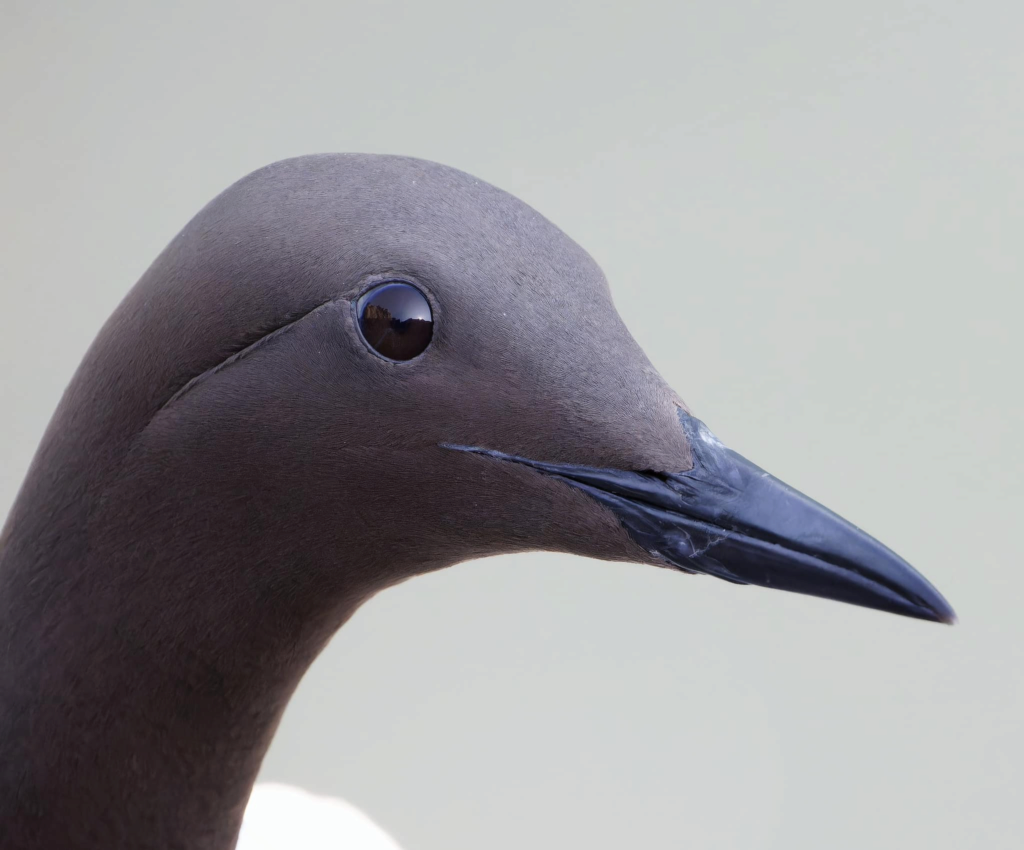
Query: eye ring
<point x="395" y="320"/>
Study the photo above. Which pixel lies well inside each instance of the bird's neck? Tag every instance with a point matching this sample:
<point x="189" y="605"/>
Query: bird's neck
<point x="150" y="643"/>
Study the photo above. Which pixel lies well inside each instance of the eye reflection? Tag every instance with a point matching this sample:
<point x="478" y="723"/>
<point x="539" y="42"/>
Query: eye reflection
<point x="395" y="320"/>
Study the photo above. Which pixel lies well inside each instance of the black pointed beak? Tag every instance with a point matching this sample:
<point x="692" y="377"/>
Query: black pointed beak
<point x="728" y="518"/>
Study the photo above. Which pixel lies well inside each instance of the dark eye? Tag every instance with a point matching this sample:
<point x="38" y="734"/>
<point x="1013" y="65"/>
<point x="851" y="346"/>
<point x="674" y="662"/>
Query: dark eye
<point x="395" y="320"/>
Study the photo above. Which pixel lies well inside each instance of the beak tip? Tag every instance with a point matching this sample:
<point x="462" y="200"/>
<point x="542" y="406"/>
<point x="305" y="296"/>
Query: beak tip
<point x="940" y="611"/>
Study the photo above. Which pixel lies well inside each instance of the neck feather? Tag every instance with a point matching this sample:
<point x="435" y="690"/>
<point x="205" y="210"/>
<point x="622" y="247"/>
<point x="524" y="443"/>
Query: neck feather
<point x="151" y="643"/>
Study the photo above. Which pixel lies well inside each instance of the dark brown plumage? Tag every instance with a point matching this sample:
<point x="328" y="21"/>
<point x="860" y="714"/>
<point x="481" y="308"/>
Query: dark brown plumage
<point x="232" y="472"/>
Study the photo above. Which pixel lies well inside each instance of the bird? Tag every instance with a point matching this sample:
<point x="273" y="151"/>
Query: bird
<point x="346" y="370"/>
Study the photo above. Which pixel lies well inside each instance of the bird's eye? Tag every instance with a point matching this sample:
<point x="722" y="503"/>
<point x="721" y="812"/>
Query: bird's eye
<point x="395" y="320"/>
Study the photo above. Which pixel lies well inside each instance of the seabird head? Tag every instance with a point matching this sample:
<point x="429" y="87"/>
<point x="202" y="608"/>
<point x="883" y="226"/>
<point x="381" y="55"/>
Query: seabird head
<point x="385" y="363"/>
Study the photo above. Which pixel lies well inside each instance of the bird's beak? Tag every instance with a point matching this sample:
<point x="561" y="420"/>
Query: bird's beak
<point x="730" y="519"/>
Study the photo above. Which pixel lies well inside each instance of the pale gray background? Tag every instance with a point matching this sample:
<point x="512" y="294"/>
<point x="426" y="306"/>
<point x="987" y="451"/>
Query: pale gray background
<point x="811" y="215"/>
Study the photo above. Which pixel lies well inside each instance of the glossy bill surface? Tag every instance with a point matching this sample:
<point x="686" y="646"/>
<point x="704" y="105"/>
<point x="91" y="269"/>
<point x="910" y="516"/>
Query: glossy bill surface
<point x="730" y="519"/>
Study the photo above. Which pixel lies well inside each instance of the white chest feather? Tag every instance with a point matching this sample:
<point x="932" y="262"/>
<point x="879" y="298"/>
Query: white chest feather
<point x="280" y="817"/>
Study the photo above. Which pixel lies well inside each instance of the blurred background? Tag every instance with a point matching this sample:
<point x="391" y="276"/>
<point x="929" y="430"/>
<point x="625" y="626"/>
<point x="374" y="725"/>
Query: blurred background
<point x="811" y="215"/>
